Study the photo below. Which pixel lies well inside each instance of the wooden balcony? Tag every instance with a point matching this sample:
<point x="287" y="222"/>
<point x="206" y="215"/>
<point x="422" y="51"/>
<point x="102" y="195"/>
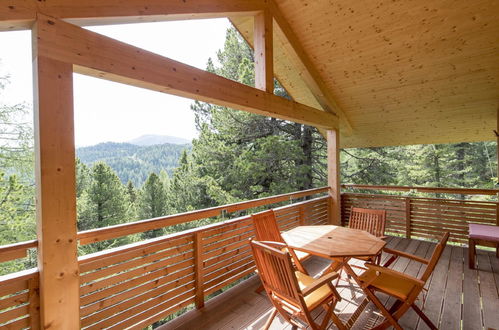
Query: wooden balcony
<point x="138" y="284"/>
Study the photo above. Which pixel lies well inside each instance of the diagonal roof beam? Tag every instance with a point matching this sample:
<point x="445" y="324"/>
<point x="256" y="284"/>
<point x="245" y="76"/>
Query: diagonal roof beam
<point x="20" y="14"/>
<point x="309" y="73"/>
<point x="102" y="57"/>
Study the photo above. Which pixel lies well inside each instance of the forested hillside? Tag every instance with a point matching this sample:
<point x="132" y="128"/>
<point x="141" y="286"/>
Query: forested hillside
<point x="133" y="162"/>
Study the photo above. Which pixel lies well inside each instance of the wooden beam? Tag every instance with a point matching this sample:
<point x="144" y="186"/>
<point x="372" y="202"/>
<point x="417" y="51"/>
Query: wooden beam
<point x="263" y="44"/>
<point x="20" y="14"/>
<point x="55" y="191"/>
<point x="333" y="175"/>
<point x="103" y="57"/>
<point x="308" y="71"/>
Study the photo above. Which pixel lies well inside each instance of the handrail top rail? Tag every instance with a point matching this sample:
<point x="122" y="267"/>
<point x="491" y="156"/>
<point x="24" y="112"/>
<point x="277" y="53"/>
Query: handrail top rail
<point x="92" y="235"/>
<point x="449" y="190"/>
<point x="173" y="236"/>
<point x="18" y="246"/>
<point x="402" y="197"/>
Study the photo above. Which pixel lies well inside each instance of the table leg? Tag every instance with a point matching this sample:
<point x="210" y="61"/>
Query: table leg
<point x="471" y="253"/>
<point x="355" y="315"/>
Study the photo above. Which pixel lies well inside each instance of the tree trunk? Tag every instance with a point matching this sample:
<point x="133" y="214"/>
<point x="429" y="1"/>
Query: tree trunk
<point x="461" y="166"/>
<point x="306" y="146"/>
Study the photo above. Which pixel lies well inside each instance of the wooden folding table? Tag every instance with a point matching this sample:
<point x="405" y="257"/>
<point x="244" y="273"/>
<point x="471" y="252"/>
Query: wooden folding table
<point x="336" y="243"/>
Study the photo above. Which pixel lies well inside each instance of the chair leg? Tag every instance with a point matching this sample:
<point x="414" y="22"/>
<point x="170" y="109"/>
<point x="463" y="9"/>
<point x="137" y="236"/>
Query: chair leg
<point x="260" y="289"/>
<point x="329" y="310"/>
<point x="386" y="314"/>
<point x="395" y="306"/>
<point x="337" y="322"/>
<point x="424" y="317"/>
<point x="390" y="261"/>
<point x="270" y="319"/>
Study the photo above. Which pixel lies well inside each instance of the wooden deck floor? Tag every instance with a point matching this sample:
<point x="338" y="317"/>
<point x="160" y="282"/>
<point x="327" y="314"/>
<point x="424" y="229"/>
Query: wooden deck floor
<point x="458" y="298"/>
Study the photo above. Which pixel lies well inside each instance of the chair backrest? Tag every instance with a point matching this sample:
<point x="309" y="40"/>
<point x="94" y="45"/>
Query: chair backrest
<point x="370" y="220"/>
<point x="266" y="228"/>
<point x="437" y="253"/>
<point x="276" y="272"/>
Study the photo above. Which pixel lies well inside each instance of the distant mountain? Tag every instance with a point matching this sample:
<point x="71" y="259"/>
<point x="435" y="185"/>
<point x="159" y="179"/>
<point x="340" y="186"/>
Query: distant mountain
<point x="149" y="140"/>
<point x="134" y="162"/>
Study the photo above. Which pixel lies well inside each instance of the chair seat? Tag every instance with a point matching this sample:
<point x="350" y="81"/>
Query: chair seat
<point x="391" y="285"/>
<point x="317" y="297"/>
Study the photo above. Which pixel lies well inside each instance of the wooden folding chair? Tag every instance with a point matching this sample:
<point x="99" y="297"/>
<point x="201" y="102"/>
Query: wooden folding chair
<point x="370" y="220"/>
<point x="294" y="294"/>
<point x="266" y="229"/>
<point x="403" y="287"/>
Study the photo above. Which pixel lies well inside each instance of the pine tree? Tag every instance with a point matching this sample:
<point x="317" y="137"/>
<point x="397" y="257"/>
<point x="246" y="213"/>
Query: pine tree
<point x="152" y="203"/>
<point x="242" y="156"/>
<point x="104" y="203"/>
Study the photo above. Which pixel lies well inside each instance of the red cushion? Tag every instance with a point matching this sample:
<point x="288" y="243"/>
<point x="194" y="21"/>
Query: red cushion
<point x="484" y="232"/>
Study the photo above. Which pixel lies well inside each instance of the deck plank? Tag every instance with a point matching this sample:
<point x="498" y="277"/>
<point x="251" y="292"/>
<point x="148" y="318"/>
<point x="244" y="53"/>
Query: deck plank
<point x="416" y="269"/>
<point x="488" y="291"/>
<point x="451" y="311"/>
<point x="472" y="314"/>
<point x="494" y="262"/>
<point x="436" y="289"/>
<point x="242" y="308"/>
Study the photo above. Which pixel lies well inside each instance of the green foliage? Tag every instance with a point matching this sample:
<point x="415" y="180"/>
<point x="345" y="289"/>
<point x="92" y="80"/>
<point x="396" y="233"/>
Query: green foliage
<point x="152" y="202"/>
<point x="132" y="162"/>
<point x="240" y="156"/>
<point x="465" y="165"/>
<point x="17" y="210"/>
<point x="104" y="203"/>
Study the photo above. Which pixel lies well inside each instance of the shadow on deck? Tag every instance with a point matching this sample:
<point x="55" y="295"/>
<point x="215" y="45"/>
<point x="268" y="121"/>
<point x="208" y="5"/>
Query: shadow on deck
<point x="458" y="298"/>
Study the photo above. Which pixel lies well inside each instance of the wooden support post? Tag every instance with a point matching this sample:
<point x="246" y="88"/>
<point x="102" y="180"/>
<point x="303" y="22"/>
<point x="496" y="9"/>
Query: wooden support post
<point x="301" y="212"/>
<point x="198" y="267"/>
<point x="55" y="191"/>
<point x="34" y="300"/>
<point x="408" y="217"/>
<point x="333" y="175"/>
<point x="263" y="44"/>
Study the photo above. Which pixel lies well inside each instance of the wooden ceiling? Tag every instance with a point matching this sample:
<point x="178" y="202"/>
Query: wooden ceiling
<point x="402" y="72"/>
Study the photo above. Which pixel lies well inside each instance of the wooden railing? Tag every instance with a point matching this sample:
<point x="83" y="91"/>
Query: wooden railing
<point x="420" y="217"/>
<point x="138" y="284"/>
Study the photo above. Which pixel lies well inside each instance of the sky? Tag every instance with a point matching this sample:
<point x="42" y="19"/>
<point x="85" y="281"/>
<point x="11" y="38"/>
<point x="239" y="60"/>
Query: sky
<point x="108" y="111"/>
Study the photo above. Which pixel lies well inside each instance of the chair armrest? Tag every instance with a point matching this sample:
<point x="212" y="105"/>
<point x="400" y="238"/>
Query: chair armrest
<point x="394" y="273"/>
<point x="406" y="255"/>
<point x="274" y="244"/>
<point x="319" y="282"/>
